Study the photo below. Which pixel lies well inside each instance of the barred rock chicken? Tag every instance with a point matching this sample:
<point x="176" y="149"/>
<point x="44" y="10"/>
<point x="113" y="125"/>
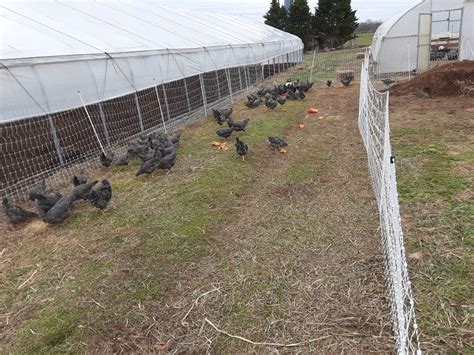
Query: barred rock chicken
<point x="277" y="142"/>
<point x="123" y="159"/>
<point x="270" y="103"/>
<point x="44" y="202"/>
<point x="39" y="188"/>
<point x="145" y="155"/>
<point x="61" y="210"/>
<point x="253" y="103"/>
<point x="281" y="100"/>
<point x="387" y="81"/>
<point x="79" y="179"/>
<point x="224" y="132"/>
<point x="241" y="147"/>
<point x="227" y="112"/>
<point x="106" y="159"/>
<point x="167" y="162"/>
<point x="81" y="191"/>
<point x="150" y="165"/>
<point x="15" y="214"/>
<point x="238" y="125"/>
<point x="101" y="196"/>
<point x="174" y="139"/>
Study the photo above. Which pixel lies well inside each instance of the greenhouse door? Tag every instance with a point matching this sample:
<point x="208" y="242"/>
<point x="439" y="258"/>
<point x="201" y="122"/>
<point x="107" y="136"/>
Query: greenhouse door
<point x="424" y="42"/>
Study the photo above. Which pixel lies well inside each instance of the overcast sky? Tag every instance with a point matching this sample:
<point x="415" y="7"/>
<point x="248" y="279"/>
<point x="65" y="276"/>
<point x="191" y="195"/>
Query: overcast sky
<point x="366" y="9"/>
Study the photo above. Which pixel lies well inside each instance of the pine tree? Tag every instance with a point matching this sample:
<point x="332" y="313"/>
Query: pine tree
<point x="334" y="22"/>
<point x="276" y="16"/>
<point x="300" y="20"/>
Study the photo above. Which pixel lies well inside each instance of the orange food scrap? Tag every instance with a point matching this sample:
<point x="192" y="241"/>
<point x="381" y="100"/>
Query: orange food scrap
<point x="283" y="150"/>
<point x="216" y="144"/>
<point x="301" y="125"/>
<point x="312" y="110"/>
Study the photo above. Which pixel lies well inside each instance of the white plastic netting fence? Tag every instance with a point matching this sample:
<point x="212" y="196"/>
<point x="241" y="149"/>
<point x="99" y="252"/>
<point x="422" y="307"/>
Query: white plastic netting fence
<point x="375" y="130"/>
<point x="56" y="145"/>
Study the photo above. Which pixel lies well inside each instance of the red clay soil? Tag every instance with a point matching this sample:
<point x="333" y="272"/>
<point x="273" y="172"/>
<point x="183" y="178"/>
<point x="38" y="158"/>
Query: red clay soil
<point x="452" y="79"/>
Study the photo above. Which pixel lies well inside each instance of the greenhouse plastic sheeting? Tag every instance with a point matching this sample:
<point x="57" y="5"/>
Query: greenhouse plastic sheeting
<point x="51" y="50"/>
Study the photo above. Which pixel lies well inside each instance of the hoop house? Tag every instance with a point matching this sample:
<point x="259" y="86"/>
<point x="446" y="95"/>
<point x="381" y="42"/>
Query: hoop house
<point x="105" y="49"/>
<point x="79" y="76"/>
<point x="398" y="41"/>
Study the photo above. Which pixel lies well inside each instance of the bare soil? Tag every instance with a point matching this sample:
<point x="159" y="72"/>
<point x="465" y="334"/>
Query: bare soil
<point x="453" y="79"/>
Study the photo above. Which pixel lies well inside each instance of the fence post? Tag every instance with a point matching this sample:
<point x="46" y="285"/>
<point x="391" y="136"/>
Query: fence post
<point x="247" y="81"/>
<point x="274" y="70"/>
<point x="166" y="102"/>
<point x="140" y="120"/>
<point x="240" y="79"/>
<point x="203" y="92"/>
<point x="161" y="109"/>
<point x="104" y="123"/>
<point x="263" y="71"/>
<point x="92" y="123"/>
<point x="56" y="140"/>
<point x="312" y="66"/>
<point x="187" y="95"/>
<point x="229" y="84"/>
<point x="218" y="88"/>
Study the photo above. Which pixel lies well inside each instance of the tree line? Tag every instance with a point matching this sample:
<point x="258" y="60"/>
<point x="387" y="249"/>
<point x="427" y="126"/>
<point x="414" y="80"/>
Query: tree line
<point x="333" y="23"/>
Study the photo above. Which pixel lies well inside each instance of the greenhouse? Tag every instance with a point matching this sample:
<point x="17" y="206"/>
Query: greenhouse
<point x="80" y="76"/>
<point x="404" y="42"/>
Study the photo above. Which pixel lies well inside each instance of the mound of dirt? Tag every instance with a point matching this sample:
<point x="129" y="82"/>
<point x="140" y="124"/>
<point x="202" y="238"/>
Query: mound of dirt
<point x="452" y="79"/>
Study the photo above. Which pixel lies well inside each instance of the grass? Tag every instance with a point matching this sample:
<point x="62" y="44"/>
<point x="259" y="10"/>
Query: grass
<point x="361" y="40"/>
<point x="436" y="197"/>
<point x="123" y="280"/>
<point x="162" y="219"/>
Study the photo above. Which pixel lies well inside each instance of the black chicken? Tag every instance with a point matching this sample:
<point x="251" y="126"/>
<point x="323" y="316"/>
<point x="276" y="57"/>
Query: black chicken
<point x="238" y="125"/>
<point x="60" y="211"/>
<point x="328" y="83"/>
<point x="101" y="196"/>
<point x="241" y="148"/>
<point x="150" y="165"/>
<point x="81" y="191"/>
<point x="224" y="132"/>
<point x="346" y="81"/>
<point x="277" y="142"/>
<point x="106" y="159"/>
<point x="16" y="214"/>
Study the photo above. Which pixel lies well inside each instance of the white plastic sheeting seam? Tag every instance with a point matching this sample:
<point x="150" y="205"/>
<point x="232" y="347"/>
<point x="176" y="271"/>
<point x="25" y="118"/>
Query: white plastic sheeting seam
<point x="375" y="131"/>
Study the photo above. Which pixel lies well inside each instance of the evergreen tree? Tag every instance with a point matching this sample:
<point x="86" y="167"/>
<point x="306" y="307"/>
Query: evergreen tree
<point x="276" y="16"/>
<point x="334" y="22"/>
<point x="300" y="20"/>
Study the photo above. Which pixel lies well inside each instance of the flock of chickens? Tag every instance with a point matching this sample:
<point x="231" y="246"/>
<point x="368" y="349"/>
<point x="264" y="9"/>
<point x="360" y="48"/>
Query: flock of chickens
<point x="156" y="151"/>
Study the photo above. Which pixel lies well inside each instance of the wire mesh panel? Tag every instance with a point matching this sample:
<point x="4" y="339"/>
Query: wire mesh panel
<point x="27" y="148"/>
<point x="375" y="131"/>
<point x="52" y="146"/>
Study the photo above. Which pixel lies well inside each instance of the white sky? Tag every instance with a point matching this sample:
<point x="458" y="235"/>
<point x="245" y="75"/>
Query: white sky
<point x="366" y="9"/>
